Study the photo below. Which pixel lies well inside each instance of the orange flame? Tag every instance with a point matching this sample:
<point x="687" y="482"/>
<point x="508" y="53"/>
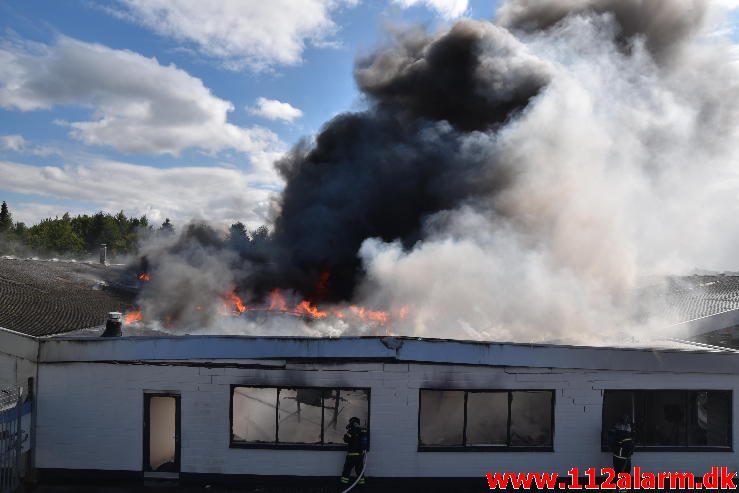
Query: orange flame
<point x="237" y="303"/>
<point x="369" y="315"/>
<point x="134" y="316"/>
<point x="306" y="308"/>
<point x="403" y="312"/>
<point x="144" y="276"/>
<point x="277" y="301"/>
<point x="233" y="305"/>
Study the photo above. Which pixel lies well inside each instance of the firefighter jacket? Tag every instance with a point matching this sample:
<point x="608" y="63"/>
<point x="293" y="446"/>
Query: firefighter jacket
<point x="353" y="439"/>
<point x="622" y="444"/>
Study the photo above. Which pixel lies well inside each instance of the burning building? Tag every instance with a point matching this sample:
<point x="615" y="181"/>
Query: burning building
<point x="508" y="180"/>
<point x="465" y="265"/>
<point x="262" y="410"/>
<point x="265" y="410"/>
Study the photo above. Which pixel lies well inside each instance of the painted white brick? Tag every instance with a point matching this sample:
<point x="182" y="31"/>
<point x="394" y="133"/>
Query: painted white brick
<point x="86" y="411"/>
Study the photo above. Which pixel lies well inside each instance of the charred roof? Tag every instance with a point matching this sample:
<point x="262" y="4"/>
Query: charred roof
<point x="43" y="298"/>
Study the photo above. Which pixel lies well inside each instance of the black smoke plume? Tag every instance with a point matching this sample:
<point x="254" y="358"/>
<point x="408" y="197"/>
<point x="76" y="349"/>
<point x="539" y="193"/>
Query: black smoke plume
<point x="512" y="179"/>
<point x="663" y="24"/>
<point x="380" y="173"/>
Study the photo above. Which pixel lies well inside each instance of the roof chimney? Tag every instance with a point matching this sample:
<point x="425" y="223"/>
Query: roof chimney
<point x="113" y="325"/>
<point x="103" y="253"/>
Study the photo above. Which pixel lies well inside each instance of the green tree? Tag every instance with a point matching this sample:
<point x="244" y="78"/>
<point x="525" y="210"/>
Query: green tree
<point x="6" y="219"/>
<point x="238" y="237"/>
<point x="55" y="236"/>
<point x="20" y="230"/>
<point x="77" y="235"/>
<point x="166" y="229"/>
<point x="259" y="235"/>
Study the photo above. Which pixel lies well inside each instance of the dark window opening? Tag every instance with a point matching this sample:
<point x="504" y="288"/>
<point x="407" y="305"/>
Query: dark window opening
<point x="671" y="418"/>
<point x="442" y="418"/>
<point x="302" y="416"/>
<point x="457" y="419"/>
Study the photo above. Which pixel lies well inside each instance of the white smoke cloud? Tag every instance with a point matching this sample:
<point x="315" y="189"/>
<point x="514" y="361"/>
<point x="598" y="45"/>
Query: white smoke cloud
<point x="615" y="165"/>
<point x="624" y="169"/>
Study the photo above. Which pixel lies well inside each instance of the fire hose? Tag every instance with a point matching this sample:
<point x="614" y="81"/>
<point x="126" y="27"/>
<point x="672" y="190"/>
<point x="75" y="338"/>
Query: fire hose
<point x="360" y="475"/>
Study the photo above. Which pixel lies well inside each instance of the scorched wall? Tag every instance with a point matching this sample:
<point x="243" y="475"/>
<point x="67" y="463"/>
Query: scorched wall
<point x="90" y="416"/>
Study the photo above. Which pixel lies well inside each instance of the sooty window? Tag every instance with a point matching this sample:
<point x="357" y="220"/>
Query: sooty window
<point x="682" y="419"/>
<point x="294" y="416"/>
<point x="490" y="420"/>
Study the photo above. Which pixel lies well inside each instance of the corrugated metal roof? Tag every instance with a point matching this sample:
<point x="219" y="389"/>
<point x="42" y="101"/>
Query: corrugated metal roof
<point x="45" y="297"/>
<point x="680" y="299"/>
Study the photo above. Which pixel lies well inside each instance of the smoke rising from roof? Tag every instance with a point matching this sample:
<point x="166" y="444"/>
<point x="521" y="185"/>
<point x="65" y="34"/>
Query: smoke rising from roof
<point x="516" y="179"/>
<point x="664" y="24"/>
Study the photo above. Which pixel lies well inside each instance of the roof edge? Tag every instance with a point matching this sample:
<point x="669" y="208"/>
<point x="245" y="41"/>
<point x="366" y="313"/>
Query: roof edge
<point x="18" y="345"/>
<point x="395" y="349"/>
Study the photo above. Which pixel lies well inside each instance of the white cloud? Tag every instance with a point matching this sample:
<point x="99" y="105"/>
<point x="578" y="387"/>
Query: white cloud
<point x="258" y="34"/>
<point x="273" y="109"/>
<point x="12" y="142"/>
<point x="17" y="143"/>
<point x="222" y="194"/>
<point x="449" y="9"/>
<point x="138" y="105"/>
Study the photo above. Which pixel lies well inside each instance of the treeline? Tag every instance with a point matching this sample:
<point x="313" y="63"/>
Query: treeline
<point x="76" y="236"/>
<point x="82" y="235"/>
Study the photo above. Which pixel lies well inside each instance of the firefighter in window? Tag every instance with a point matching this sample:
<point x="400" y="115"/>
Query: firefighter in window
<point x="621" y="443"/>
<point x="357" y="441"/>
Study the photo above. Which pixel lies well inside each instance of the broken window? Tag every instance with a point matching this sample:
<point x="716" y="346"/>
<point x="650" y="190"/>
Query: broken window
<point x="665" y="421"/>
<point x="308" y="416"/>
<point x="299" y="416"/>
<point x="531" y="418"/>
<point x="442" y="417"/>
<point x="455" y="418"/>
<point x="671" y="418"/>
<point x="338" y="407"/>
<point x="709" y="417"/>
<point x="254" y="414"/>
<point x="487" y="418"/>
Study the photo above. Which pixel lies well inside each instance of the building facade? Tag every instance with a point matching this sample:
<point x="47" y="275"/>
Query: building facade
<point x="255" y="408"/>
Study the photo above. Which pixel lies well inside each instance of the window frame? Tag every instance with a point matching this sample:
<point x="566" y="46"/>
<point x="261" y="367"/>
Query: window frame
<point x="670" y="448"/>
<point x="487" y="448"/>
<point x="291" y="446"/>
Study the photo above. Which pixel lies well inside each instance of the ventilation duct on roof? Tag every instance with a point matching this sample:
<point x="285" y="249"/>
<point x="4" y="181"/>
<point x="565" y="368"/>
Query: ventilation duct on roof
<point x="113" y="325"/>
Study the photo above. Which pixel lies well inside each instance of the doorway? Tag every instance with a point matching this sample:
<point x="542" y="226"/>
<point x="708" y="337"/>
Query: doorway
<point x="162" y="435"/>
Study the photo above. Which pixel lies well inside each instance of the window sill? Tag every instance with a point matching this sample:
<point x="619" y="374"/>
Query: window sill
<point x="485" y="448"/>
<point x="672" y="448"/>
<point x="287" y="446"/>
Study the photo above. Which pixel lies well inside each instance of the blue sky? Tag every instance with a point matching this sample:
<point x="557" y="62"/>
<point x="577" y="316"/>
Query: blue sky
<point x="94" y="93"/>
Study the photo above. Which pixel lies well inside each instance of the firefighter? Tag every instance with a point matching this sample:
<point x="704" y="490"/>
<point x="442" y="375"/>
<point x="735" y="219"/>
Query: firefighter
<point x="355" y="439"/>
<point x="622" y="445"/>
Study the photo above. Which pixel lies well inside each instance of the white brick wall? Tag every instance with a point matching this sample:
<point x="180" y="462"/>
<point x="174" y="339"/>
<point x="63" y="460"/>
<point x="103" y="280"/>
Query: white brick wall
<point x="90" y="416"/>
<point x="17" y="359"/>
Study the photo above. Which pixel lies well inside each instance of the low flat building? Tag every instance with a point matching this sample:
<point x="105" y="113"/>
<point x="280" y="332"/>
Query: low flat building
<point x="255" y="410"/>
<point x="251" y="409"/>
